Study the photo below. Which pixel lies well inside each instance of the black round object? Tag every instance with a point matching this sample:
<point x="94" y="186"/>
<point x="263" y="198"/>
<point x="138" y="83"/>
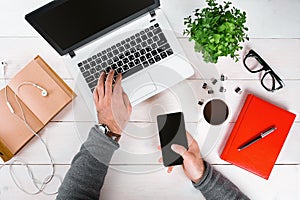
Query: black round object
<point x="215" y="112"/>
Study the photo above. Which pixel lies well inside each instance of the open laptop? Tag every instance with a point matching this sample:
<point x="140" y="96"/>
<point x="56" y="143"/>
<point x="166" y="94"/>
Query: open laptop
<point x="133" y="37"/>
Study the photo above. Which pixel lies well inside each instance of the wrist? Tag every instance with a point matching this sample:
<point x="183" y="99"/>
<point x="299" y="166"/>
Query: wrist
<point x="107" y="131"/>
<point x="112" y="126"/>
<point x="196" y="180"/>
<point x="200" y="174"/>
<point x="203" y="173"/>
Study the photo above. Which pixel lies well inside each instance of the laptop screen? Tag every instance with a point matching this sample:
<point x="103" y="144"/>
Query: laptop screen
<point x="69" y="24"/>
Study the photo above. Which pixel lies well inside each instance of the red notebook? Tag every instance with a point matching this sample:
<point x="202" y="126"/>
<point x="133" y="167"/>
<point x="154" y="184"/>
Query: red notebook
<point x="256" y="116"/>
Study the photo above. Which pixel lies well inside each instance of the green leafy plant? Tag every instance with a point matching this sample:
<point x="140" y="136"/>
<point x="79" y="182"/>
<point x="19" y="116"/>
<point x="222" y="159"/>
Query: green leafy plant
<point x="217" y="30"/>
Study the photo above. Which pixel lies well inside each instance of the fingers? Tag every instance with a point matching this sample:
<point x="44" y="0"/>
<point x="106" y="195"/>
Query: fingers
<point x="127" y="101"/>
<point x="160" y="160"/>
<point x="108" y="83"/>
<point x="100" y="86"/>
<point x="179" y="149"/>
<point x="170" y="169"/>
<point x="118" y="86"/>
<point x="190" y="138"/>
<point x="119" y="79"/>
<point x="96" y="96"/>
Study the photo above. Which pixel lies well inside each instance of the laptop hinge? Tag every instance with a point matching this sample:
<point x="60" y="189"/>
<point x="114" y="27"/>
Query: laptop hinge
<point x="72" y="54"/>
<point x="152" y="13"/>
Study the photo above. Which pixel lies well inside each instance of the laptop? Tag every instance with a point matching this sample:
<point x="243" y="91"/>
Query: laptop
<point x="133" y="37"/>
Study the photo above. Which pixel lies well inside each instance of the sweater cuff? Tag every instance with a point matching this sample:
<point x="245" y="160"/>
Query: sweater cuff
<point x="100" y="146"/>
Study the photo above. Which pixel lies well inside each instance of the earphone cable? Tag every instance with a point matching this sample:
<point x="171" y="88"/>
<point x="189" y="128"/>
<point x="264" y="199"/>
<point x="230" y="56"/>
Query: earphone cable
<point x="40" y="186"/>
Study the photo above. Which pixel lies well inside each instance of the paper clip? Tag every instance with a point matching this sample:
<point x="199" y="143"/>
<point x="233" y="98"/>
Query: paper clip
<point x="210" y="91"/>
<point x="223" y="77"/>
<point x="222" y="89"/>
<point x="213" y="81"/>
<point x="238" y="90"/>
<point x="201" y="102"/>
<point x="204" y="86"/>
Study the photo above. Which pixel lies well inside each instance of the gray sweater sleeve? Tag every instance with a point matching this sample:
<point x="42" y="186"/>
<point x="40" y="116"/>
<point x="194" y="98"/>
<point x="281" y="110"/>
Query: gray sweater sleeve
<point x="213" y="185"/>
<point x="86" y="176"/>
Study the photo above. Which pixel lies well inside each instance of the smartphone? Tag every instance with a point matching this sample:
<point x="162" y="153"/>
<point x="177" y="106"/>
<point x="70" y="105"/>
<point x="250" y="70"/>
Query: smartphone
<point x="171" y="128"/>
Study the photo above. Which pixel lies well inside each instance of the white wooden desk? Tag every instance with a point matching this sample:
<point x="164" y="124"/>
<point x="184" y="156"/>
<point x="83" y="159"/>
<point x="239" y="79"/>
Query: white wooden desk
<point x="274" y="33"/>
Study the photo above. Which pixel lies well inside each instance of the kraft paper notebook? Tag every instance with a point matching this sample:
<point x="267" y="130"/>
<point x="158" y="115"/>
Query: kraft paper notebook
<point x="38" y="110"/>
<point x="256" y="116"/>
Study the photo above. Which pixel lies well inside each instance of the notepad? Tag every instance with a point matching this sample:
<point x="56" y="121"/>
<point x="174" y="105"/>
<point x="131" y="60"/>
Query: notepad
<point x="256" y="116"/>
<point x="38" y="110"/>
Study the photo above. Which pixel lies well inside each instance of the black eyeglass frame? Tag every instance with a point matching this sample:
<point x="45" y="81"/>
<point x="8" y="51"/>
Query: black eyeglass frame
<point x="266" y="68"/>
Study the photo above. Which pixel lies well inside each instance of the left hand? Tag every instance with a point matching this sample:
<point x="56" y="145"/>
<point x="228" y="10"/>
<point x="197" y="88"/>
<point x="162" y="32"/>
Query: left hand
<point x="112" y="103"/>
<point x="193" y="165"/>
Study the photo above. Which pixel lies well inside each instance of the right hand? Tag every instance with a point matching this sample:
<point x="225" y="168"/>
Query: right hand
<point x="112" y="103"/>
<point x="193" y="165"/>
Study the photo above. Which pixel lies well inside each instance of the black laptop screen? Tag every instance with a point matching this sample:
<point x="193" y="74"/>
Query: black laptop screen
<point x="68" y="24"/>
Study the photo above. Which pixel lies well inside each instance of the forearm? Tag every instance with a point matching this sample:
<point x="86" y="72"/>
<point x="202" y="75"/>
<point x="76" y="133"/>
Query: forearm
<point x="214" y="185"/>
<point x="85" y="178"/>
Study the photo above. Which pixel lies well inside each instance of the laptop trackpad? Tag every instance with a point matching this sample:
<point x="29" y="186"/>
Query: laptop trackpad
<point x="138" y="86"/>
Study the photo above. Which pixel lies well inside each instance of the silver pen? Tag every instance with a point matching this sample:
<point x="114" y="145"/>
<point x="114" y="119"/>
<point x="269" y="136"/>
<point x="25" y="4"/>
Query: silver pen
<point x="261" y="135"/>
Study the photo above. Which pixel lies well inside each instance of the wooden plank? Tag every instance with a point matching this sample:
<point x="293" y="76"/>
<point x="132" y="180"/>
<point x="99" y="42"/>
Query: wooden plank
<point x="62" y="140"/>
<point x="139" y="143"/>
<point x="122" y="185"/>
<point x="285" y="63"/>
<point x="265" y="19"/>
<point x="177" y="186"/>
<point x="13" y="16"/>
<point x="18" y="52"/>
<point x="184" y="97"/>
<point x="258" y="188"/>
<point x="281" y="54"/>
<point x="8" y="189"/>
<point x="149" y="185"/>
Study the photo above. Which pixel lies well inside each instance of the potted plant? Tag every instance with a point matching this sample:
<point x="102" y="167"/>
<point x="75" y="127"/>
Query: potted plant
<point x="217" y="30"/>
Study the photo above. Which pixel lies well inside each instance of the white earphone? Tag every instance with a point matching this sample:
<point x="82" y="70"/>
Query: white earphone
<point x="39" y="185"/>
<point x="44" y="91"/>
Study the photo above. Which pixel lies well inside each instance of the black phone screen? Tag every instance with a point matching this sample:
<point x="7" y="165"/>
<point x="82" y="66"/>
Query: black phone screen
<point x="171" y="129"/>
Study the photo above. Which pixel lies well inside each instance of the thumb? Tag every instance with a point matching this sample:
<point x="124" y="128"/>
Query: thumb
<point x="178" y="149"/>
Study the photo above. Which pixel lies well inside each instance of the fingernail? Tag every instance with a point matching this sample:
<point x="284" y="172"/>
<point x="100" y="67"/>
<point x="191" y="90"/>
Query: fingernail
<point x="173" y="147"/>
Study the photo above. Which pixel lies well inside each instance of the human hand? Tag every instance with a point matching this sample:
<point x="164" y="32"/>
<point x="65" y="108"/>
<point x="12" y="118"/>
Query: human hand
<point x="112" y="103"/>
<point x="193" y="165"/>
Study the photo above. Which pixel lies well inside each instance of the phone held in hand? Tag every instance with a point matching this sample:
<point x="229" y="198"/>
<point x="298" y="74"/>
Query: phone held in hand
<point x="171" y="129"/>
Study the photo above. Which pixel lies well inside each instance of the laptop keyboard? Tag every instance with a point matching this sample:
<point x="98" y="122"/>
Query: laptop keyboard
<point x="129" y="56"/>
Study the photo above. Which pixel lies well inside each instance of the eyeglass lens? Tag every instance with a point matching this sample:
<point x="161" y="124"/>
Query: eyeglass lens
<point x="270" y="82"/>
<point x="252" y="64"/>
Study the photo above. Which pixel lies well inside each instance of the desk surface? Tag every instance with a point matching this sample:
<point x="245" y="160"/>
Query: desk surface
<point x="274" y="32"/>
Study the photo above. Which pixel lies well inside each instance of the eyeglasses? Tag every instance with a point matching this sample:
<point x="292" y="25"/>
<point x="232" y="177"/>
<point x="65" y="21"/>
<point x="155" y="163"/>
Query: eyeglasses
<point x="254" y="64"/>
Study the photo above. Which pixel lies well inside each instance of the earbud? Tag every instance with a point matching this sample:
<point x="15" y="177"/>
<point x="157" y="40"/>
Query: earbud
<point x="3" y="64"/>
<point x="44" y="92"/>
